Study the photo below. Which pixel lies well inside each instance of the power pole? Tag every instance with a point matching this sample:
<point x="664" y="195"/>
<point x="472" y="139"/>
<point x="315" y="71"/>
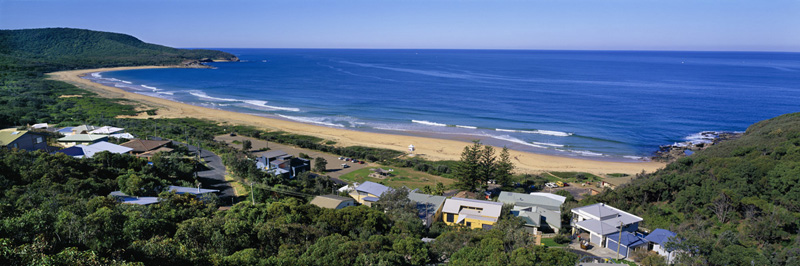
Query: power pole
<point x="252" y="193"/>
<point x="619" y="241"/>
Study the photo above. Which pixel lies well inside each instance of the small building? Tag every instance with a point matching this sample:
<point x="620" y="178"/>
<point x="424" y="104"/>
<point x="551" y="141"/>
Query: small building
<point x="369" y="192"/>
<point x="124" y="198"/>
<point x="88" y="151"/>
<point x="81" y="139"/>
<point x="628" y="243"/>
<point x="106" y="130"/>
<point x="539" y="210"/>
<point x="471" y="213"/>
<point x="127" y="136"/>
<point x="83" y="129"/>
<point x="191" y="190"/>
<point x="282" y="164"/>
<point x="332" y="202"/>
<point x="658" y="238"/>
<point x="140" y="146"/>
<point x="601" y="220"/>
<point x="380" y="173"/>
<point x="22" y="139"/>
<point x="429" y="206"/>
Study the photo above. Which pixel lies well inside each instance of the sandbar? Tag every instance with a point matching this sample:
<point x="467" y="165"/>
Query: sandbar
<point x="430" y="148"/>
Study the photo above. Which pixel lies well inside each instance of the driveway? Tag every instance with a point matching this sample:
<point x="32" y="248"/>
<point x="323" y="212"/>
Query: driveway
<point x="214" y="176"/>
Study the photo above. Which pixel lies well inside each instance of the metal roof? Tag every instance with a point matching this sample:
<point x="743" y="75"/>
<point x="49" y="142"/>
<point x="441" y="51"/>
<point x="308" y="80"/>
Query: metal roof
<point x="274" y="154"/>
<point x="83" y="138"/>
<point x="329" y="201"/>
<point x="488" y="208"/>
<point x="373" y="188"/>
<point x="540" y="199"/>
<point x="106" y="130"/>
<point x="597" y="227"/>
<point x="9" y="135"/>
<point x="660" y="236"/>
<point x="605" y="213"/>
<point x="191" y="190"/>
<point x="143" y="145"/>
<point x="627" y="239"/>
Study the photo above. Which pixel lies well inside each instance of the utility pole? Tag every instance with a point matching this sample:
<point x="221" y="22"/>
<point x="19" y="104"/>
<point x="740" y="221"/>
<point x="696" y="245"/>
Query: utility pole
<point x="252" y="193"/>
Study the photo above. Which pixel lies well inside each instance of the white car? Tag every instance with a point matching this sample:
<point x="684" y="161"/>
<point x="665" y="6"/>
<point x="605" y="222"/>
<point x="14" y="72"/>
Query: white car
<point x="551" y="185"/>
<point x="344" y="165"/>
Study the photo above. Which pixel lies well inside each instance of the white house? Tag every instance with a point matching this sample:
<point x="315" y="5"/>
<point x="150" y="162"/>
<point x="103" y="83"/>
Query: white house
<point x="658" y="238"/>
<point x="601" y="220"/>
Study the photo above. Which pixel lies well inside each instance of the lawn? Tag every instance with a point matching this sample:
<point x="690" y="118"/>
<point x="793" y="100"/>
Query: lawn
<point x="548" y="242"/>
<point x="400" y="177"/>
<point x="573" y="176"/>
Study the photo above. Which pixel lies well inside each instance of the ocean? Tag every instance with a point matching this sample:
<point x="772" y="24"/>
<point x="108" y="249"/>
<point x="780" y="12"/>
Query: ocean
<point x="606" y="105"/>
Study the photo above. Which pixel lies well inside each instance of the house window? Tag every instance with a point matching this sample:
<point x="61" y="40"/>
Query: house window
<point x="38" y="140"/>
<point x="469" y="224"/>
<point x="14" y="145"/>
<point x="449" y="217"/>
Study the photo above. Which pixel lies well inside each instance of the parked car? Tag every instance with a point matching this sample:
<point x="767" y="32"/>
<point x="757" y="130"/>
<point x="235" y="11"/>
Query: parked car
<point x="344" y="165"/>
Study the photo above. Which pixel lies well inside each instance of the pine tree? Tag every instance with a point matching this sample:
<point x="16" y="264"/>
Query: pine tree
<point x="504" y="168"/>
<point x="486" y="166"/>
<point x="466" y="171"/>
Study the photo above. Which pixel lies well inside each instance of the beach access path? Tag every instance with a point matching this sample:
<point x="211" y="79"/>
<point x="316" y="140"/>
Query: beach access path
<point x="429" y="148"/>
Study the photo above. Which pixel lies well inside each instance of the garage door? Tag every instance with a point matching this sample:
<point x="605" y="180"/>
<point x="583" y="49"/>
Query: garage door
<point x="597" y="240"/>
<point x="612" y="245"/>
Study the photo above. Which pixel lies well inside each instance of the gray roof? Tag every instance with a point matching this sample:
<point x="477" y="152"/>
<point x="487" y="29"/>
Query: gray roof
<point x="605" y="213"/>
<point x="273" y="154"/>
<point x="106" y="130"/>
<point x="426" y="204"/>
<point x="124" y="198"/>
<point x="373" y="188"/>
<point x="539" y="199"/>
<point x="597" y="227"/>
<point x="329" y="201"/>
<point x="105" y="146"/>
<point x="489" y="208"/>
<point x="191" y="190"/>
<point x="533" y="216"/>
<point x="83" y="138"/>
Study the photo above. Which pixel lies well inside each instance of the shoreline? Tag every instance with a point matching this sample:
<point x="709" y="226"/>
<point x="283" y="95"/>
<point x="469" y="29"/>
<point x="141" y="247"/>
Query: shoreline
<point x="431" y="148"/>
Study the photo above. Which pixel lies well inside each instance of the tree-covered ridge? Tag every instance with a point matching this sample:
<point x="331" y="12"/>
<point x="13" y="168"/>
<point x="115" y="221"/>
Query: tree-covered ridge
<point x="732" y="203"/>
<point x="74" y="48"/>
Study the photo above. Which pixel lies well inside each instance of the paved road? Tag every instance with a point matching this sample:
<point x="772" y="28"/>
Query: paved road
<point x="214" y="176"/>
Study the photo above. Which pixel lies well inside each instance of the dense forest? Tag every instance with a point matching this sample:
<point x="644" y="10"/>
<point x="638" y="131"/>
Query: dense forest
<point x="735" y="203"/>
<point x="55" y="209"/>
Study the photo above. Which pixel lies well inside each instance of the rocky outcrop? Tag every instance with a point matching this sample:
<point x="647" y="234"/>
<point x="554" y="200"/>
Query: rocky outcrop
<point x="703" y="140"/>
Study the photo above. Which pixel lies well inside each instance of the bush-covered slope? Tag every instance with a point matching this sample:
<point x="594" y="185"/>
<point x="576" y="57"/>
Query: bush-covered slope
<point x="739" y="195"/>
<point x="77" y="47"/>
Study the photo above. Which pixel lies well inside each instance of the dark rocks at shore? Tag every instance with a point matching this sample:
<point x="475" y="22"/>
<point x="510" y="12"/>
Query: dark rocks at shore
<point x="670" y="153"/>
<point x="194" y="64"/>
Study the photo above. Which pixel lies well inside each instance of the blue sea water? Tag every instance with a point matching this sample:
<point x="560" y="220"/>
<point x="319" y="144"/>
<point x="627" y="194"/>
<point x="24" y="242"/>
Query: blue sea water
<point x="614" y="105"/>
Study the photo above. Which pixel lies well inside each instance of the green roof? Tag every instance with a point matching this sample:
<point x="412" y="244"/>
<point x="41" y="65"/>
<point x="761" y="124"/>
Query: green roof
<point x="9" y="135"/>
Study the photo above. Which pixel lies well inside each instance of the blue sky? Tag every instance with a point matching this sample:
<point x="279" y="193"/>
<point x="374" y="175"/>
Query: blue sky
<point x="722" y="25"/>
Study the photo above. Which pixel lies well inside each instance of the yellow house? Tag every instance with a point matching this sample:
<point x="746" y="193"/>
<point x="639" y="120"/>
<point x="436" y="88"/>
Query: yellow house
<point x="369" y="192"/>
<point x="471" y="213"/>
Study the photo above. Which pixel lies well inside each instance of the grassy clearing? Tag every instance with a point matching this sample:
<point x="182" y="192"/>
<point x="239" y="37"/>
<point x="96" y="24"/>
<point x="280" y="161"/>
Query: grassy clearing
<point x="401" y="177"/>
<point x="548" y="242"/>
<point x="576" y="176"/>
<point x="238" y="188"/>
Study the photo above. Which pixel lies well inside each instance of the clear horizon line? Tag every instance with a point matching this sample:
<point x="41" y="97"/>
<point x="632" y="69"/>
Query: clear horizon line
<point x="503" y="49"/>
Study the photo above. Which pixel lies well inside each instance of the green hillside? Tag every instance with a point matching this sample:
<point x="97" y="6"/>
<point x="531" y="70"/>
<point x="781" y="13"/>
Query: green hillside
<point x="70" y="48"/>
<point x="732" y="203"/>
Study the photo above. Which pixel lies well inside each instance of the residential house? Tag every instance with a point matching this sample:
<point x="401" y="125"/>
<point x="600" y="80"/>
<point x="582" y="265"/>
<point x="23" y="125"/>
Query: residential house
<point x="81" y="139"/>
<point x="83" y="129"/>
<point x="44" y="127"/>
<point x="106" y="130"/>
<point x="628" y="243"/>
<point x="124" y="198"/>
<point x="282" y="164"/>
<point x="658" y="238"/>
<point x="369" y="192"/>
<point x="88" y="151"/>
<point x="541" y="211"/>
<point x="191" y="190"/>
<point x="127" y="136"/>
<point x="600" y="220"/>
<point x="429" y="206"/>
<point x="141" y="146"/>
<point x="471" y="212"/>
<point x="332" y="202"/>
<point x="22" y="139"/>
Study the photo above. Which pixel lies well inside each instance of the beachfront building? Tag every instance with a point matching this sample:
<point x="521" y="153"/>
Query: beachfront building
<point x="12" y="138"/>
<point x="281" y="163"/>
<point x="429" y="207"/>
<point x="600" y="220"/>
<point x="628" y="242"/>
<point x="658" y="238"/>
<point x="332" y="202"/>
<point x="369" y="192"/>
<point x="540" y="211"/>
<point x="81" y="139"/>
<point x="471" y="213"/>
<point x="88" y="151"/>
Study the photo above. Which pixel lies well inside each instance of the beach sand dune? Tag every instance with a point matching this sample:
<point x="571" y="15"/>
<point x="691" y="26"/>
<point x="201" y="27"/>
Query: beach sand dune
<point x="431" y="148"/>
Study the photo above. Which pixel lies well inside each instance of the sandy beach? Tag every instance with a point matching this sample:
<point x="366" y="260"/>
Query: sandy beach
<point x="431" y="148"/>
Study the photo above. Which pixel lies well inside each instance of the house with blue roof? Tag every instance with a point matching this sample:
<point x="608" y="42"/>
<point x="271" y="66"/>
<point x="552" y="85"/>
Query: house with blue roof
<point x="600" y="220"/>
<point x="658" y="238"/>
<point x="624" y="243"/>
<point x="369" y="192"/>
